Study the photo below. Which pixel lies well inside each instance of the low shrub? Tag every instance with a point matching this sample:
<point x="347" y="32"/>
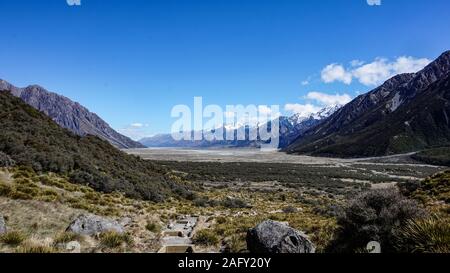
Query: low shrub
<point x="206" y="237"/>
<point x="235" y="203"/>
<point x="376" y="215"/>
<point x="153" y="227"/>
<point x="289" y="209"/>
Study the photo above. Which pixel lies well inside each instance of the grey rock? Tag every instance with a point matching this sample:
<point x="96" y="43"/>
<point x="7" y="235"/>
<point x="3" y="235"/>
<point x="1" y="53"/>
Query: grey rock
<point x="276" y="237"/>
<point x="2" y="225"/>
<point x="92" y="225"/>
<point x="126" y="221"/>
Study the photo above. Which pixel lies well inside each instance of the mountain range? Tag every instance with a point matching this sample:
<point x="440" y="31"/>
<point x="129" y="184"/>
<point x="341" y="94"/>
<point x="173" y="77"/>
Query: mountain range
<point x="69" y="114"/>
<point x="290" y="129"/>
<point x="407" y="113"/>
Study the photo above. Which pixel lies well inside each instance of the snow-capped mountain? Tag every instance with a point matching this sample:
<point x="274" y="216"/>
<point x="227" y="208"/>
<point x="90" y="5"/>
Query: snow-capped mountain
<point x="291" y="128"/>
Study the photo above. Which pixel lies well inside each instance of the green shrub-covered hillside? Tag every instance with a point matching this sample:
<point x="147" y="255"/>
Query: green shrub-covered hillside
<point x="29" y="138"/>
<point x="437" y="156"/>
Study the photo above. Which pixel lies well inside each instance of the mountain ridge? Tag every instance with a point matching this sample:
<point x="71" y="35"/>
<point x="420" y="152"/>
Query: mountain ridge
<point x="290" y="128"/>
<point x="343" y="133"/>
<point x="35" y="142"/>
<point x="69" y="114"/>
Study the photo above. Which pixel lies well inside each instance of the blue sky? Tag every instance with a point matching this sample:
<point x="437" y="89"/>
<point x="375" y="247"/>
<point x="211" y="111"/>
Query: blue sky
<point x="132" y="61"/>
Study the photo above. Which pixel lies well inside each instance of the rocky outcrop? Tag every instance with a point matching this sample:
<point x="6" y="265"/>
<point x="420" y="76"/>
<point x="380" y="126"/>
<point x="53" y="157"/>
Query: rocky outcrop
<point x="69" y="114"/>
<point x="276" y="237"/>
<point x="2" y="225"/>
<point x="92" y="225"/>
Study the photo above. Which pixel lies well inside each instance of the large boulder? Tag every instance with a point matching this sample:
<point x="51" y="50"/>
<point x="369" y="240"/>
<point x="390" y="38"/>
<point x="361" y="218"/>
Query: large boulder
<point x="276" y="237"/>
<point x="2" y="225"/>
<point x="92" y="225"/>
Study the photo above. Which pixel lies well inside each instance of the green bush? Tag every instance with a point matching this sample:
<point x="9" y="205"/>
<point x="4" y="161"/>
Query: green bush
<point x="153" y="227"/>
<point x="234" y="203"/>
<point x="376" y="215"/>
<point x="205" y="237"/>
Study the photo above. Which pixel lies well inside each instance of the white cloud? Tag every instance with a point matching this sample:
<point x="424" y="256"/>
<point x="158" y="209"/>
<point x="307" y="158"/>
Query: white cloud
<point x="336" y="72"/>
<point x="326" y="99"/>
<point x="137" y="125"/>
<point x="320" y="100"/>
<point x="374" y="73"/>
<point x="306" y="82"/>
<point x="304" y="110"/>
<point x="374" y="2"/>
<point x="135" y="131"/>
<point x="356" y="63"/>
<point x="409" y="64"/>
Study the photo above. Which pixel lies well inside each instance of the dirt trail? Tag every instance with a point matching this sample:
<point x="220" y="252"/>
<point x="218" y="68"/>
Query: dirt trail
<point x="177" y="238"/>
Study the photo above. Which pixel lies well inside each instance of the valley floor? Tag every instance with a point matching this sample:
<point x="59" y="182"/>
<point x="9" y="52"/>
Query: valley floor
<point x="234" y="191"/>
<point x="258" y="156"/>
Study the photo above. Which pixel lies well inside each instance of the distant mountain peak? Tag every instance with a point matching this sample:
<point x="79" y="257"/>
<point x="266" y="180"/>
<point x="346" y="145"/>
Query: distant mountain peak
<point x="321" y="114"/>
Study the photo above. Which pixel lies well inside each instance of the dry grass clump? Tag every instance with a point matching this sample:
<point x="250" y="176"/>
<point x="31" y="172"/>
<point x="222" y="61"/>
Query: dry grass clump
<point x="34" y="245"/>
<point x="12" y="238"/>
<point x="112" y="239"/>
<point x="66" y="237"/>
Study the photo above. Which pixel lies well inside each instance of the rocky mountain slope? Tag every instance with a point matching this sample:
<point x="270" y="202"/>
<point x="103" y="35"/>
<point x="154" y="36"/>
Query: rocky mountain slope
<point x="31" y="140"/>
<point x="68" y="114"/>
<point x="409" y="112"/>
<point x="290" y="129"/>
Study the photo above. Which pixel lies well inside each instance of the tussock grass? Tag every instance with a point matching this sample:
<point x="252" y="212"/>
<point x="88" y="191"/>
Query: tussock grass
<point x="66" y="237"/>
<point x="12" y="238"/>
<point x="430" y="235"/>
<point x="112" y="239"/>
<point x="34" y="245"/>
